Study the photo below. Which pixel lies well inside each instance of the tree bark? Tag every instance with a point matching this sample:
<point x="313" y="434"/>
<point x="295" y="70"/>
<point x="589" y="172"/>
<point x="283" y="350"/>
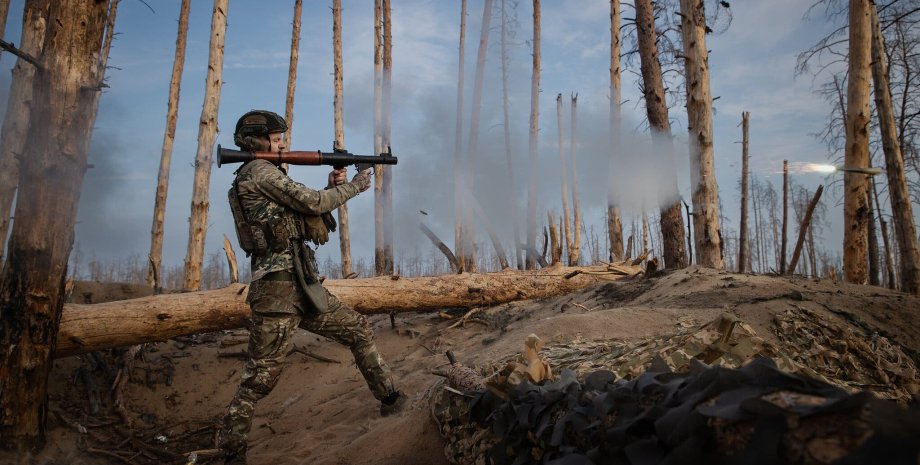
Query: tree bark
<point x="743" y="253"/>
<point x="338" y="106"/>
<point x="803" y="228"/>
<point x="459" y="162"/>
<point x="512" y="185"/>
<point x="16" y="120"/>
<point x="614" y="218"/>
<point x="534" y="128"/>
<point x="555" y="243"/>
<point x="904" y="227"/>
<point x="672" y="223"/>
<point x="172" y="115"/>
<point x="575" y="246"/>
<point x="65" y="97"/>
<point x="855" y="196"/>
<point x="86" y="328"/>
<point x="207" y="131"/>
<point x="707" y="233"/>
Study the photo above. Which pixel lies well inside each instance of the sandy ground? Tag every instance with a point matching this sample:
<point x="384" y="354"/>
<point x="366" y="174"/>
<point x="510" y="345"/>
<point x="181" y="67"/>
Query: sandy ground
<point x="322" y="413"/>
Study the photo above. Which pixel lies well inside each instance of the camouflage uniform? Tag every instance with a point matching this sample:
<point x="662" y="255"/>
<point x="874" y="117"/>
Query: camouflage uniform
<point x="279" y="305"/>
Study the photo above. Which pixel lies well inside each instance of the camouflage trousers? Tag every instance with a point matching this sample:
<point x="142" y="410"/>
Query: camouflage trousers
<point x="278" y="309"/>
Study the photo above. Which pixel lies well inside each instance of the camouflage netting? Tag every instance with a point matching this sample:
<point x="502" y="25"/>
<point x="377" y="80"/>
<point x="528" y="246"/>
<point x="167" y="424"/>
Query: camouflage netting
<point x="715" y="392"/>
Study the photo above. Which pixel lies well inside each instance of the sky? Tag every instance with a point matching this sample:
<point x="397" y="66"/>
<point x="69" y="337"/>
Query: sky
<point x="751" y="63"/>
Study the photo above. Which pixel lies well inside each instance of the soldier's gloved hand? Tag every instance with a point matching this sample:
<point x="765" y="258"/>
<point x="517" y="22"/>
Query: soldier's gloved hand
<point x="338" y="176"/>
<point x="362" y="180"/>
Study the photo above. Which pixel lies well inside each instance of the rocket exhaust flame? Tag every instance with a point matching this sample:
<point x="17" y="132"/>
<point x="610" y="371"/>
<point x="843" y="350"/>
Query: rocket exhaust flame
<point x="806" y="167"/>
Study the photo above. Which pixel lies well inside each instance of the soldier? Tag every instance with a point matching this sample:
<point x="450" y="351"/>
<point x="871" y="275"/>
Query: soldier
<point x="275" y="218"/>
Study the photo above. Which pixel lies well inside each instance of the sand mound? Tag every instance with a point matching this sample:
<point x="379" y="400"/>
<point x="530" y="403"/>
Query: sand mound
<point x="322" y="413"/>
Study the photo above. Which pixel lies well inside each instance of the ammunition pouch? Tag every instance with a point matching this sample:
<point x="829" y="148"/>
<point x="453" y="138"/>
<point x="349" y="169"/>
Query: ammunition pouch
<point x="252" y="237"/>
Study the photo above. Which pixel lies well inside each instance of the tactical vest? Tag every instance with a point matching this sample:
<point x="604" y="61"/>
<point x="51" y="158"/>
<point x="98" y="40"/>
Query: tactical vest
<point x="250" y="236"/>
<point x="276" y="235"/>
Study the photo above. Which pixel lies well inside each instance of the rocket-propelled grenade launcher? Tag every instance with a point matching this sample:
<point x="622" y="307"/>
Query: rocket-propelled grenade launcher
<point x="337" y="159"/>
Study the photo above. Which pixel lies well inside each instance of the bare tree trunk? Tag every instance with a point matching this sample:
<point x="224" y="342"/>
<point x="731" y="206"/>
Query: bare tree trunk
<point x="4" y="12"/>
<point x="803" y="228"/>
<point x="708" y="234"/>
<point x="338" y="105"/>
<point x="86" y="328"/>
<point x="902" y="214"/>
<point x="386" y="172"/>
<point x="379" y="202"/>
<point x="534" y="128"/>
<point x="889" y="262"/>
<point x="646" y="246"/>
<point x="474" y="205"/>
<point x="566" y="228"/>
<point x="155" y="269"/>
<point x="855" y="197"/>
<point x="459" y="163"/>
<point x="16" y="121"/>
<point x="785" y="224"/>
<point x="614" y="218"/>
<point x="743" y="252"/>
<point x="689" y="233"/>
<point x="758" y="231"/>
<point x="872" y="235"/>
<point x="555" y="242"/>
<point x="575" y="246"/>
<point x="468" y="238"/>
<point x="451" y="258"/>
<point x="672" y="223"/>
<point x="64" y="102"/>
<point x="512" y="186"/>
<point x="207" y="131"/>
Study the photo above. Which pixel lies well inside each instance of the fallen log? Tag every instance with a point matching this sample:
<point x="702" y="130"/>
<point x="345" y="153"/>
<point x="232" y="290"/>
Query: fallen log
<point x="86" y="328"/>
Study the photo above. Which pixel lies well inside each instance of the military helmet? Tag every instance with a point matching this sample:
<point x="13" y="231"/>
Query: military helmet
<point x="253" y="127"/>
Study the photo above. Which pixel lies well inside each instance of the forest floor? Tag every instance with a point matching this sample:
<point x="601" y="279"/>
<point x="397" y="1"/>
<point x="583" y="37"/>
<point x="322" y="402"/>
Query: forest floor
<point x="321" y="411"/>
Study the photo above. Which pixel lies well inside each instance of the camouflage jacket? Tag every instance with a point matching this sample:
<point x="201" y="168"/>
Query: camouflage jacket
<point x="269" y="197"/>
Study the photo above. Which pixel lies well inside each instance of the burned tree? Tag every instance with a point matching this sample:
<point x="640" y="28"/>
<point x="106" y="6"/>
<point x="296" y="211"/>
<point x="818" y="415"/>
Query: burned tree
<point x="743" y="248"/>
<point x="207" y="131"/>
<point x="534" y="127"/>
<point x="614" y="219"/>
<point x="16" y="120"/>
<point x="566" y="230"/>
<point x="894" y="166"/>
<point x="574" y="251"/>
<point x="468" y="257"/>
<point x="855" y="196"/>
<point x="338" y="105"/>
<point x="155" y="270"/>
<point x="707" y="233"/>
<point x="65" y="98"/>
<point x="512" y="186"/>
<point x="459" y="164"/>
<point x="672" y="223"/>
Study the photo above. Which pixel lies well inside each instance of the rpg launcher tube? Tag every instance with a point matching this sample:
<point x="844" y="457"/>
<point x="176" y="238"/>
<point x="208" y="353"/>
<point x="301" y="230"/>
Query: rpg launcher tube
<point x="336" y="159"/>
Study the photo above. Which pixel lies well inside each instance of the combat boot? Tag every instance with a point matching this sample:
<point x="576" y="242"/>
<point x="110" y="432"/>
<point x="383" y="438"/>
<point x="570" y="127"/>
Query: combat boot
<point x="235" y="457"/>
<point x="393" y="403"/>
